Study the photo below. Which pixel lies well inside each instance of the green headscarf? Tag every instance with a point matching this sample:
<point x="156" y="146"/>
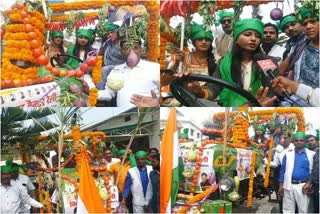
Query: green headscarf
<point x="111" y="27"/>
<point x="55" y="34"/>
<point x="287" y="20"/>
<point x="248" y="24"/>
<point x="300" y="135"/>
<point x="229" y="98"/>
<point x="198" y="32"/>
<point x="223" y="14"/>
<point x="121" y="152"/>
<point x="261" y="128"/>
<point x="84" y="32"/>
<point x="140" y="154"/>
<point x="14" y="167"/>
<point x="6" y="169"/>
<point x="304" y="13"/>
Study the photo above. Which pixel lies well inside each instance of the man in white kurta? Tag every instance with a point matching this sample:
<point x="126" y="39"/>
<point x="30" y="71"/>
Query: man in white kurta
<point x="138" y="78"/>
<point x="294" y="173"/>
<point x="138" y="182"/>
<point x="284" y="146"/>
<point x="13" y="195"/>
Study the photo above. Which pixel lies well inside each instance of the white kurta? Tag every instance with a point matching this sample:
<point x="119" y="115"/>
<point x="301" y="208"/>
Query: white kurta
<point x="277" y="52"/>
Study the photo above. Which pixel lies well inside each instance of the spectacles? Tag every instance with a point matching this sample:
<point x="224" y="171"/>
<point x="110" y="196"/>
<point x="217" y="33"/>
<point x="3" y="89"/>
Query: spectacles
<point x="225" y="21"/>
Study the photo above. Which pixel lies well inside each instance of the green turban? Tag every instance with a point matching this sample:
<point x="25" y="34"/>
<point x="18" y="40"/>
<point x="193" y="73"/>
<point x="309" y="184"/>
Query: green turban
<point x="55" y="34"/>
<point x="318" y="134"/>
<point x="304" y="13"/>
<point x="223" y="14"/>
<point x="287" y="20"/>
<point x="6" y="169"/>
<point x="300" y="135"/>
<point x="121" y="152"/>
<point x="199" y="32"/>
<point x="248" y="24"/>
<point x="140" y="154"/>
<point x="85" y="32"/>
<point x="111" y="27"/>
<point x="14" y="167"/>
<point x="261" y="128"/>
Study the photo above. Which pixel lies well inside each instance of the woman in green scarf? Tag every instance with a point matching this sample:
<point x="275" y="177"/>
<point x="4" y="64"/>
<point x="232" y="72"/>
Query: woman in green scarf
<point x="201" y="60"/>
<point x="239" y="68"/>
<point x="81" y="48"/>
<point x="56" y="45"/>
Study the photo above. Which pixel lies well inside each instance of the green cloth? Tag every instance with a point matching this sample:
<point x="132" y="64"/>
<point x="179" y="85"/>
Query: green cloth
<point x="287" y="20"/>
<point x="261" y="128"/>
<point x="318" y="134"/>
<point x="111" y="27"/>
<point x="84" y="32"/>
<point x="199" y="32"/>
<point x="304" y="13"/>
<point x="300" y="135"/>
<point x="14" y="166"/>
<point x="55" y="34"/>
<point x="229" y="98"/>
<point x="223" y="14"/>
<point x="248" y="24"/>
<point x="6" y="169"/>
<point x="132" y="160"/>
<point x="140" y="154"/>
<point x="121" y="152"/>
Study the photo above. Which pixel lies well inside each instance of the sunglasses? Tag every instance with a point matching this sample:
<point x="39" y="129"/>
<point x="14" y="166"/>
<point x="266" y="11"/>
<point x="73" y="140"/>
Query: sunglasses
<point x="225" y="21"/>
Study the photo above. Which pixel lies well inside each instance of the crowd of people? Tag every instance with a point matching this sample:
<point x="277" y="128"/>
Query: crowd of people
<point x="137" y="179"/>
<point x="237" y="51"/>
<point x="140" y="77"/>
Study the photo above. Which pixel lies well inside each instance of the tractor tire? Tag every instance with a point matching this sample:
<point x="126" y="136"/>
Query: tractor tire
<point x="266" y="208"/>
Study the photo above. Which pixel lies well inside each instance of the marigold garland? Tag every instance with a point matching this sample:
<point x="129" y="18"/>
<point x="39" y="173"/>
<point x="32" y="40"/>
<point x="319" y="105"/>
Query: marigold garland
<point x="266" y="180"/>
<point x="48" y="202"/>
<point x="108" y="206"/>
<point x="71" y="180"/>
<point x="95" y="141"/>
<point x="197" y="198"/>
<point x="250" y="191"/>
<point x="97" y="70"/>
<point x="93" y="95"/>
<point x="40" y="190"/>
<point x="54" y="169"/>
<point x="76" y="135"/>
<point x="59" y="18"/>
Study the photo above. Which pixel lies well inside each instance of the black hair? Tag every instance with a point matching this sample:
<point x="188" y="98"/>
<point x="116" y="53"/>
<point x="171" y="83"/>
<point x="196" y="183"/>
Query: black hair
<point x="106" y="149"/>
<point x="211" y="60"/>
<point x="204" y="174"/>
<point x="87" y="48"/>
<point x="124" y="41"/>
<point x="236" y="72"/>
<point x="154" y="149"/>
<point x="311" y="136"/>
<point x="61" y="49"/>
<point x="156" y="157"/>
<point x="272" y="25"/>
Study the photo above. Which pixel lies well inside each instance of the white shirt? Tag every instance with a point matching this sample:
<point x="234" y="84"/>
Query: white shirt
<point x="278" y="156"/>
<point x="246" y="74"/>
<point x="12" y="196"/>
<point x="23" y="179"/>
<point x="303" y="92"/>
<point x="276" y="51"/>
<point x="113" y="160"/>
<point x="141" y="79"/>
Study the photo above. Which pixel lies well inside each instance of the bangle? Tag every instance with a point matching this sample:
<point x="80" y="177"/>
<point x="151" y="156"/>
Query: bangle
<point x="309" y="96"/>
<point x="205" y="94"/>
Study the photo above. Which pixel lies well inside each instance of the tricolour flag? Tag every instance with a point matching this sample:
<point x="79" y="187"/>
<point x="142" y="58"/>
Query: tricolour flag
<point x="171" y="164"/>
<point x="89" y="200"/>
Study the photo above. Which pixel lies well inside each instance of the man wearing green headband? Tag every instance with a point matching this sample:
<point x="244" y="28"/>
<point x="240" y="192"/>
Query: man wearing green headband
<point x="224" y="41"/>
<point x="138" y="181"/>
<point x="294" y="30"/>
<point x="18" y="179"/>
<point x="270" y="38"/>
<point x="294" y="175"/>
<point x="13" y="195"/>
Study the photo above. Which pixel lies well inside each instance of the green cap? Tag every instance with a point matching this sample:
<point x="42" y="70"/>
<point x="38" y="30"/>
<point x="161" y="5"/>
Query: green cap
<point x="5" y="169"/>
<point x="55" y="34"/>
<point x="85" y="32"/>
<point x="140" y="154"/>
<point x="111" y="27"/>
<point x="14" y="166"/>
<point x="300" y="135"/>
<point x="248" y="24"/>
<point x="261" y="128"/>
<point x="223" y="14"/>
<point x="286" y="20"/>
<point x="304" y="13"/>
<point x="199" y="32"/>
<point x="122" y="152"/>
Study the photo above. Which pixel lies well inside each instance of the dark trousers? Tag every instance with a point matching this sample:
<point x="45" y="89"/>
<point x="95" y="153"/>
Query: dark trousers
<point x="316" y="198"/>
